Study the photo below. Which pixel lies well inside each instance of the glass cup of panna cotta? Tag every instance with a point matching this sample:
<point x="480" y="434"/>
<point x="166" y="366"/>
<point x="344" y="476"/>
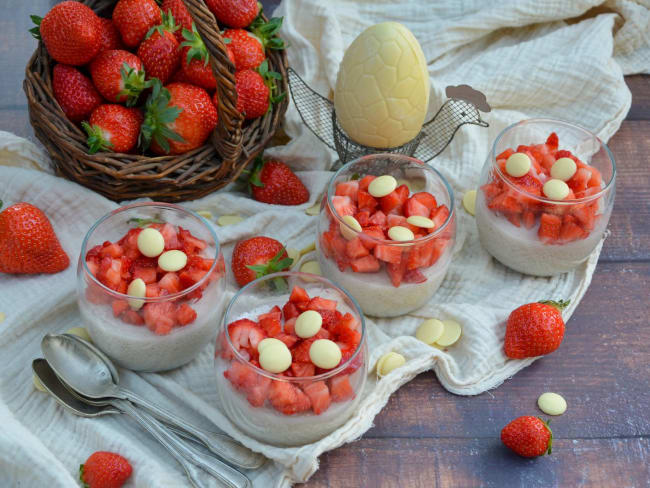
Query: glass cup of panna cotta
<point x="545" y="196"/>
<point x="386" y="232"/>
<point x="150" y="285"/>
<point x="291" y="358"/>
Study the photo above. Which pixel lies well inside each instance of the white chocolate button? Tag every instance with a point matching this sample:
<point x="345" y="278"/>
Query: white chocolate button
<point x="450" y="334"/>
<point x="563" y="169"/>
<point x="294" y="254"/>
<point x="430" y="331"/>
<point x="137" y="288"/>
<point x="308" y="324"/>
<point x="225" y="220"/>
<point x="311" y="267"/>
<point x="551" y="403"/>
<point x="311" y="247"/>
<point x="469" y="202"/>
<point x="151" y="242"/>
<point x="174" y="260"/>
<point x="2" y="317"/>
<point x="399" y="233"/>
<point x="38" y="385"/>
<point x="388" y="362"/>
<point x="325" y="354"/>
<point x="275" y="358"/>
<point x="206" y="214"/>
<point x="382" y="186"/>
<point x="556" y="189"/>
<point x="313" y="210"/>
<point x="518" y="165"/>
<point x="419" y="221"/>
<point x="80" y="332"/>
<point x="348" y="233"/>
<point x="268" y="342"/>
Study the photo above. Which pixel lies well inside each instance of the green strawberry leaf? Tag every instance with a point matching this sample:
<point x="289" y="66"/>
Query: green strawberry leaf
<point x="158" y="115"/>
<point x="197" y="49"/>
<point x="144" y="222"/>
<point x="134" y="84"/>
<point x="36" y="31"/>
<point x="255" y="179"/>
<point x="81" y="474"/>
<point x="276" y="264"/>
<point x="267" y="31"/>
<point x="559" y="304"/>
<point x="168" y="24"/>
<point x="96" y="141"/>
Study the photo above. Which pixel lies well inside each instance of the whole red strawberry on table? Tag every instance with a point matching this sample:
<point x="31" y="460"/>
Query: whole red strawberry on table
<point x="152" y="58"/>
<point x="105" y="470"/>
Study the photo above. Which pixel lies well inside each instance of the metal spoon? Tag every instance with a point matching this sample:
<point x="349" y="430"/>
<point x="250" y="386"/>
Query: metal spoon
<point x="58" y="390"/>
<point x="93" y="374"/>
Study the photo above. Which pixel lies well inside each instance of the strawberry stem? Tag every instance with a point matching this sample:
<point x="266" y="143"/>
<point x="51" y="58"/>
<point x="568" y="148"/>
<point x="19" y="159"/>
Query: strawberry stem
<point x="269" y="80"/>
<point x="550" y="440"/>
<point x="158" y="115"/>
<point x="254" y="179"/>
<point x="559" y="304"/>
<point x="96" y="140"/>
<point x="197" y="49"/>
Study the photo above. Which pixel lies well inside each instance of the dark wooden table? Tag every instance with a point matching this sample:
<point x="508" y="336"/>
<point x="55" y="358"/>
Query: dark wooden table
<point x="428" y="437"/>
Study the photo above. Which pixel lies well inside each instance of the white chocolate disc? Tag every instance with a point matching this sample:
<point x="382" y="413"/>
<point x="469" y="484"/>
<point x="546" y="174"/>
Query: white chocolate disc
<point x="563" y="169"/>
<point x="150" y="242"/>
<point x="430" y="331"/>
<point x="206" y="214"/>
<point x="294" y="254"/>
<point x="518" y="165"/>
<point x="225" y="220"/>
<point x="325" y="354"/>
<point x="388" y="362"/>
<point x="551" y="403"/>
<point x="308" y="248"/>
<point x="469" y="202"/>
<point x="308" y="324"/>
<point x="313" y="210"/>
<point x="399" y="233"/>
<point x="173" y="260"/>
<point x="311" y="267"/>
<point x="80" y="332"/>
<point x="382" y="186"/>
<point x="348" y="233"/>
<point x="275" y="358"/>
<point x="137" y="288"/>
<point x="556" y="189"/>
<point x="419" y="221"/>
<point x="267" y="342"/>
<point x="450" y="334"/>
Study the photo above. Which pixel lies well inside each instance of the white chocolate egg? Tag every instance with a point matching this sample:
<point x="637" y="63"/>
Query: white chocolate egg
<point x="137" y="288"/>
<point x="325" y="354"/>
<point x="308" y="324"/>
<point x="382" y="88"/>
<point x="275" y="358"/>
<point x="551" y="403"/>
<point x="399" y="233"/>
<point x="173" y="260"/>
<point x="267" y="342"/>
<point x="382" y="185"/>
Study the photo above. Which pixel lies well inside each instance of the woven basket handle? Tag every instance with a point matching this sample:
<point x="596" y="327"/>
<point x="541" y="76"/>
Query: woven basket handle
<point x="228" y="136"/>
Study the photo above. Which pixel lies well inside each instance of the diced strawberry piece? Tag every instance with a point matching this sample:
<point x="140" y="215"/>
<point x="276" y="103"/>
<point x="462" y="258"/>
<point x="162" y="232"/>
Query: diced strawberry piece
<point x="344" y="205"/>
<point x="348" y="320"/>
<point x="319" y="395"/>
<point x="528" y="183"/>
<point x="426" y="199"/>
<point x="302" y="369"/>
<point x="528" y="219"/>
<point x="580" y="180"/>
<point x="586" y="216"/>
<point x="191" y="277"/>
<point x="170" y="282"/>
<point x="257" y="391"/>
<point x="440" y="216"/>
<point x="93" y="267"/>
<point x="160" y="317"/>
<point x="119" y="306"/>
<point x="112" y="273"/>
<point x="505" y="203"/>
<point x="153" y="290"/>
<point x="322" y="334"/>
<point x="289" y="311"/>
<point x="570" y="230"/>
<point x="330" y="318"/>
<point x="189" y="243"/>
<point x="505" y="154"/>
<point x="290" y="325"/>
<point x="364" y="182"/>
<point x="271" y="325"/>
<point x="549" y="228"/>
<point x="274" y="313"/>
<point x="378" y="218"/>
<point x="414" y="276"/>
<point x="565" y="154"/>
<point x="419" y="255"/>
<point x="171" y="237"/>
<point x="349" y="337"/>
<point x="366" y="201"/>
<point x="246" y="334"/>
<point x="355" y="249"/>
<point x="185" y="314"/>
<point x="394" y="200"/>
<point x="515" y="219"/>
<point x="340" y="388"/>
<point x="491" y="190"/>
<point x="241" y="375"/>
<point x="288" y="339"/>
<point x="111" y="249"/>
<point x="318" y="303"/>
<point x="552" y="141"/>
<point x="413" y="206"/>
<point x="370" y="234"/>
<point x="388" y="253"/>
<point x="300" y="353"/>
<point x="298" y="295"/>
<point x="596" y="180"/>
<point x="366" y="264"/>
<point x="392" y="220"/>
<point x="363" y="218"/>
<point x="396" y="272"/>
<point x="287" y="398"/>
<point x="132" y="317"/>
<point x="148" y="275"/>
<point x="348" y="189"/>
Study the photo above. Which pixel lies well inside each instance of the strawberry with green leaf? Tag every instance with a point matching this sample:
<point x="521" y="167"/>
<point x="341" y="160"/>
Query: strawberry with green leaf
<point x="274" y="182"/>
<point x="195" y="61"/>
<point x="258" y="256"/>
<point x="159" y="51"/>
<point x="256" y="90"/>
<point x="134" y="18"/>
<point x="119" y="76"/>
<point x="113" y="128"/>
<point x="181" y="15"/>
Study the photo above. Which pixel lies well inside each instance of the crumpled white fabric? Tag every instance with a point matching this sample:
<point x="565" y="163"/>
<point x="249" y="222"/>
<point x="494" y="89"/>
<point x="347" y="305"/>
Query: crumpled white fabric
<point x="521" y="54"/>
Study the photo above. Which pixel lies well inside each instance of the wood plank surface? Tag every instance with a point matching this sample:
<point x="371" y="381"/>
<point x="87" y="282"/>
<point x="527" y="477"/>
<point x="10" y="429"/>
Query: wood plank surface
<point x="427" y="437"/>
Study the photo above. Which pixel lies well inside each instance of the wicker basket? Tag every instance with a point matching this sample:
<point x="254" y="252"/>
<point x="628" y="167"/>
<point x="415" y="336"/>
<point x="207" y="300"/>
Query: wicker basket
<point x="166" y="178"/>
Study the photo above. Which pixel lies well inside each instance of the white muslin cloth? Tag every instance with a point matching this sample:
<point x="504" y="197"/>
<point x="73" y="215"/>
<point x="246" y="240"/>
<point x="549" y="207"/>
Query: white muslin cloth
<point x="531" y="58"/>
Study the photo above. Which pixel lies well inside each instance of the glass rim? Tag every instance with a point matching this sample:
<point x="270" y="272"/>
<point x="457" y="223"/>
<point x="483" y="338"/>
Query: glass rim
<point x="412" y="242"/>
<point x="163" y="298"/>
<point x="540" y="198"/>
<point x="278" y="376"/>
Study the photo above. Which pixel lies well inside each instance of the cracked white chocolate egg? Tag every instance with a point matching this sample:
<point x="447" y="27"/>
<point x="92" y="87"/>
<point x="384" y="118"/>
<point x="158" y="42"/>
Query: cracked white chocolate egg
<point x="382" y="88"/>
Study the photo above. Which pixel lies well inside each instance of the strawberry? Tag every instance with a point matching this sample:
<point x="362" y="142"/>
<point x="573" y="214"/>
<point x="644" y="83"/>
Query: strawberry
<point x="340" y="388"/>
<point x="274" y="182"/>
<point x="257" y="257"/>
<point x="160" y="317"/>
<point x="28" y="243"/>
<point x="233" y="13"/>
<point x="70" y="31"/>
<point x="319" y="395"/>
<point x="246" y="47"/>
<point x="252" y="94"/>
<point x="246" y="334"/>
<point x="181" y="15"/>
<point x="534" y="329"/>
<point x="528" y="436"/>
<point x="178" y="118"/>
<point x="118" y="75"/>
<point x="549" y="228"/>
<point x="134" y="18"/>
<point x="160" y="51"/>
<point x="287" y="398"/>
<point x="105" y="470"/>
<point x="75" y="92"/>
<point x="185" y="314"/>
<point x="195" y="61"/>
<point x="113" y="127"/>
<point x="109" y="36"/>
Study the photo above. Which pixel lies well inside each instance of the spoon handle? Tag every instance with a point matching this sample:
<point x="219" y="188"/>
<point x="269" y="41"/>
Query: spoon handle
<point x="222" y="445"/>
